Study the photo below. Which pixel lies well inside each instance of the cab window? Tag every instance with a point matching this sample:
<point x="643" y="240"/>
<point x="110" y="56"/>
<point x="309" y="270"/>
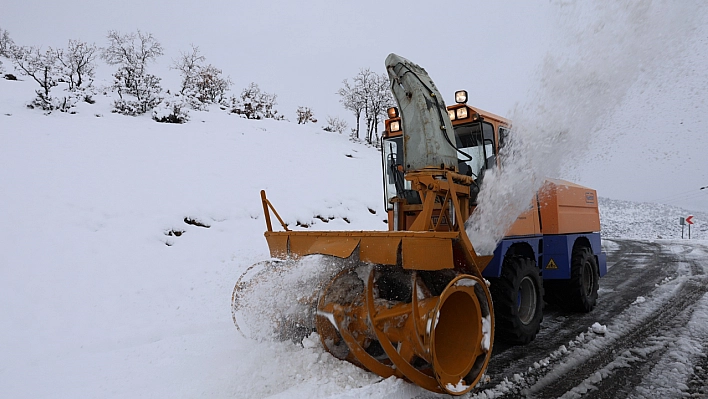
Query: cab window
<point x="476" y="143"/>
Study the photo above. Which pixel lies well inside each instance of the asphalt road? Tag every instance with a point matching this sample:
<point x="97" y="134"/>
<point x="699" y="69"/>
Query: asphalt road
<point x="649" y="340"/>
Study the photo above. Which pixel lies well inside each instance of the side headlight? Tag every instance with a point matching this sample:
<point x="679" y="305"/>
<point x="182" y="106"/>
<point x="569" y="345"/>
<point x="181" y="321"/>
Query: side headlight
<point x="451" y="114"/>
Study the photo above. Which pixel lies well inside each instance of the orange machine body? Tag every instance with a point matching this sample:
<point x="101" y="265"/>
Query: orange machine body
<point x="560" y="215"/>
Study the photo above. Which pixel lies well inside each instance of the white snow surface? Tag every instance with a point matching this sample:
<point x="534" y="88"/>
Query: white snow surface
<point x="95" y="301"/>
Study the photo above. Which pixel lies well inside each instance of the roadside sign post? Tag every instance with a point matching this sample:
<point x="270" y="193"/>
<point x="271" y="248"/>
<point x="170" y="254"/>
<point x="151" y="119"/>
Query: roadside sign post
<point x="682" y="222"/>
<point x="689" y="222"/>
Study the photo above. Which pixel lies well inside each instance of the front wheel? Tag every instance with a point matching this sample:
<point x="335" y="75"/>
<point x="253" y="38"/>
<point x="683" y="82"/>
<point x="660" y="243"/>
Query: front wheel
<point x="518" y="300"/>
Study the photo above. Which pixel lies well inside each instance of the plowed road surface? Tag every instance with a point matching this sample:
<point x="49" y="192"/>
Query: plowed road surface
<point x="647" y="337"/>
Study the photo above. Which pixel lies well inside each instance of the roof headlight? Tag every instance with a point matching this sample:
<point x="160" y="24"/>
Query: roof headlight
<point x="461" y="96"/>
<point x="392" y="112"/>
<point x="461" y="113"/>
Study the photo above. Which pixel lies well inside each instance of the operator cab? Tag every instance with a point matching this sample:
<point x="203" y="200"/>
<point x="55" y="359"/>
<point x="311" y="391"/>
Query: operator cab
<point x="478" y="135"/>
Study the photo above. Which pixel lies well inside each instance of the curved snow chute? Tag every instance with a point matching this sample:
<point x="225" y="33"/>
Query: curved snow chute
<point x="428" y="134"/>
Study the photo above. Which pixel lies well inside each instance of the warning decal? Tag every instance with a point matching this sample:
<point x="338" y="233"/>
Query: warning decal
<point x="551" y="265"/>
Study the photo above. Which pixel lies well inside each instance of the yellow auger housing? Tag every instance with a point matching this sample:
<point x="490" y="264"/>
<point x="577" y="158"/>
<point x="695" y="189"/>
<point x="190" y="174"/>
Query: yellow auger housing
<point x="411" y="303"/>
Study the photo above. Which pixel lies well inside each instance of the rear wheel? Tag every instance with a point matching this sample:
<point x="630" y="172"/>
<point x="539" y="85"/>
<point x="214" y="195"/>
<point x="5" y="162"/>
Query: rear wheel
<point x="584" y="281"/>
<point x="518" y="300"/>
<point x="579" y="294"/>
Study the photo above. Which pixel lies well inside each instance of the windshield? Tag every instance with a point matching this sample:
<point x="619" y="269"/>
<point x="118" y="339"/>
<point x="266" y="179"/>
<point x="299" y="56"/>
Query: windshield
<point x="477" y="141"/>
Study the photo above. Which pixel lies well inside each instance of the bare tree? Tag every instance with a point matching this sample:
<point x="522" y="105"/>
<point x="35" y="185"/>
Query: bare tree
<point x="188" y="64"/>
<point x="40" y="66"/>
<point x="124" y="51"/>
<point x="203" y="84"/>
<point x="77" y="62"/>
<point x="353" y="99"/>
<point x="305" y="115"/>
<point x="211" y="87"/>
<point x="6" y="44"/>
<point x="132" y="53"/>
<point x="255" y="104"/>
<point x="363" y="81"/>
<point x="335" y="125"/>
<point x="369" y="94"/>
<point x="379" y="99"/>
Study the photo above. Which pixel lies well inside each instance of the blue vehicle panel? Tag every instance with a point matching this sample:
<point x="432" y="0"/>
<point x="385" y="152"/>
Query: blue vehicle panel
<point x="493" y="269"/>
<point x="552" y="252"/>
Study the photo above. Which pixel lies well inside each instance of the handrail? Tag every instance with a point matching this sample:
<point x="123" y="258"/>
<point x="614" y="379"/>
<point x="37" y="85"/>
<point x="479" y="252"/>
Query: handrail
<point x="266" y="205"/>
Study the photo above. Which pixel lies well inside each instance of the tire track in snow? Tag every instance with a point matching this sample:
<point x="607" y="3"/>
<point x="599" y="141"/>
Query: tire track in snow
<point x="621" y="361"/>
<point x="628" y="370"/>
<point x="619" y="289"/>
<point x="637" y="269"/>
<point x="698" y="382"/>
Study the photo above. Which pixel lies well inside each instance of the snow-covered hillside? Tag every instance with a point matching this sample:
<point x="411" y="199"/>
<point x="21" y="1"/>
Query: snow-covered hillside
<point x="101" y="298"/>
<point x="648" y="221"/>
<point x="107" y="290"/>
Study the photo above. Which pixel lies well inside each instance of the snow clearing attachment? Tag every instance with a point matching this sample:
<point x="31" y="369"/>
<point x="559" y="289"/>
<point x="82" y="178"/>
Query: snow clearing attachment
<point x="410" y="302"/>
<point x="407" y="303"/>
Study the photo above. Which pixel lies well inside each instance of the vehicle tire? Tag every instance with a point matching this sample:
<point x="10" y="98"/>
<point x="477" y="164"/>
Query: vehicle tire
<point x="518" y="300"/>
<point x="579" y="294"/>
<point x="584" y="281"/>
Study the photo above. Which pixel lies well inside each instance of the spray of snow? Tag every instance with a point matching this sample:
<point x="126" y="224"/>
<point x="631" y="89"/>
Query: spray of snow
<point x="486" y="333"/>
<point x="279" y="300"/>
<point x="460" y="387"/>
<point x="598" y="328"/>
<point x="605" y="50"/>
<point x="465" y="282"/>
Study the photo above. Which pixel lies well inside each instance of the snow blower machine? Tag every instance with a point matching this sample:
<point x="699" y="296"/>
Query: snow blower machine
<point x="416" y="301"/>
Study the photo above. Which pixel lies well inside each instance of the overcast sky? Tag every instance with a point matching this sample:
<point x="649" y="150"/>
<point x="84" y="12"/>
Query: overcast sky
<point x="302" y="51"/>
